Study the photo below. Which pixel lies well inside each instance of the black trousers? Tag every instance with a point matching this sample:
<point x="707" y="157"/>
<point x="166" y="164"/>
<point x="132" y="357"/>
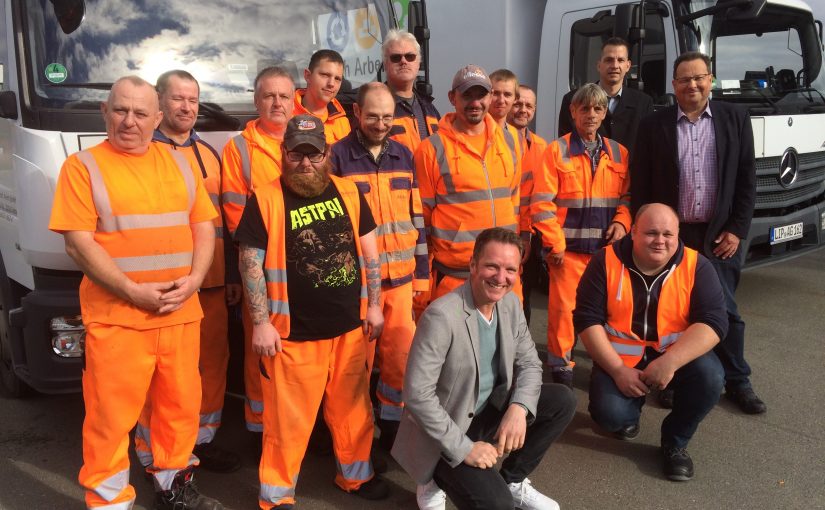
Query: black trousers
<point x="482" y="489"/>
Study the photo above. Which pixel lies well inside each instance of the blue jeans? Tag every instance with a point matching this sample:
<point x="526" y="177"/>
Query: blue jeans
<point x="696" y="389"/>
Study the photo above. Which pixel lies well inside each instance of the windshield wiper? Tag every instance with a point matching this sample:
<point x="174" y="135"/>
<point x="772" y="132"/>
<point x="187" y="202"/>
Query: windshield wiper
<point x="765" y="98"/>
<point x="83" y="85"/>
<point x="802" y="90"/>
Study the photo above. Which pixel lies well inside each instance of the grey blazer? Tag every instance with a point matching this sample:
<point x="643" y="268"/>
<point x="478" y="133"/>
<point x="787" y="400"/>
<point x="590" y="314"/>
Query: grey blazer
<point x="441" y="382"/>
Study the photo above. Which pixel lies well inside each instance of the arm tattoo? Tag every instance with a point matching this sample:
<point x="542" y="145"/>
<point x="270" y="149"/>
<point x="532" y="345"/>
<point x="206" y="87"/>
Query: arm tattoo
<point x="254" y="284"/>
<point x="373" y="268"/>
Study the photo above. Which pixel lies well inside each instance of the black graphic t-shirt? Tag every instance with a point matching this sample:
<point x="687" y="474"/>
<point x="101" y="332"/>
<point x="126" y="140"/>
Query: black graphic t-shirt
<point x="323" y="273"/>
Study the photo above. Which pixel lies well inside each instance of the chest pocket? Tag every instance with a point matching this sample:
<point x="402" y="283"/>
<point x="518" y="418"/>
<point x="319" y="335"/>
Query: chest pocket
<point x="363" y="187"/>
<point x="613" y="179"/>
<point x="570" y="183"/>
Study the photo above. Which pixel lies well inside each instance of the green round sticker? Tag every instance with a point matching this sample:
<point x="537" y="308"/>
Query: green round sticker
<point x="56" y="73"/>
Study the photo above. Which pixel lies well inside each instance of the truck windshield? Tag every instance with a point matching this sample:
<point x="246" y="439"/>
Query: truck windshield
<point x="223" y="44"/>
<point x="773" y="61"/>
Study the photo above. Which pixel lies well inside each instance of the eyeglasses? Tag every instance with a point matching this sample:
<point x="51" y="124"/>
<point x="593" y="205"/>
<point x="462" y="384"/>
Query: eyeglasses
<point x="699" y="78"/>
<point x="409" y="57"/>
<point x="374" y="119"/>
<point x="297" y="157"/>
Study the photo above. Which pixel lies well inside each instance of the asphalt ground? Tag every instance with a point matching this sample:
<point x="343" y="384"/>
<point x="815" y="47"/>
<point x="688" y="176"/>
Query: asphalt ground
<point x="771" y="461"/>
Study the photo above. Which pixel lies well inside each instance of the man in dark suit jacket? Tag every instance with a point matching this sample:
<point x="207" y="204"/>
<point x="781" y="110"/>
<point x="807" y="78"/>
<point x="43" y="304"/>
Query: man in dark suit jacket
<point x="625" y="107"/>
<point x="698" y="158"/>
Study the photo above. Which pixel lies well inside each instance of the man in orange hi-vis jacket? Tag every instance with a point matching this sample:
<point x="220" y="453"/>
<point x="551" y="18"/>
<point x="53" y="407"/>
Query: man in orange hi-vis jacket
<point x="178" y="92"/>
<point x="250" y="160"/>
<point x="324" y="76"/>
<point x="137" y="221"/>
<point x="580" y="203"/>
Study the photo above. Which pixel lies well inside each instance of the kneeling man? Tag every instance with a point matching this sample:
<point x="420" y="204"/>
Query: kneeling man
<point x="649" y="311"/>
<point x="473" y="392"/>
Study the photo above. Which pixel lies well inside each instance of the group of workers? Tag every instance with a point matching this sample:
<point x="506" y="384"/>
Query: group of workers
<point x="395" y="243"/>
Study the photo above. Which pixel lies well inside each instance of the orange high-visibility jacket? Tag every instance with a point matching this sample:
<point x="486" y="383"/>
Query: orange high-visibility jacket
<point x="571" y="205"/>
<point x="271" y="202"/>
<point x="203" y="157"/>
<point x="672" y="313"/>
<point x="405" y="128"/>
<point x="463" y="192"/>
<point x="391" y="189"/>
<point x="336" y="124"/>
<point x="532" y="149"/>
<point x="140" y="208"/>
<point x="250" y="159"/>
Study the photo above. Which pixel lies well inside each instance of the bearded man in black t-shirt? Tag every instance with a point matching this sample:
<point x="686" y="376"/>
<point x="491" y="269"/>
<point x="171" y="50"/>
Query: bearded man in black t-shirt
<point x="310" y="270"/>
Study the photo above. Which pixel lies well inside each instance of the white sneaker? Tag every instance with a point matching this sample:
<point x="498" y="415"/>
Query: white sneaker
<point x="526" y="497"/>
<point x="430" y="497"/>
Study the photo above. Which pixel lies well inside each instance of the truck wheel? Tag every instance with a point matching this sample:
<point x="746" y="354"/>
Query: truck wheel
<point x="12" y="385"/>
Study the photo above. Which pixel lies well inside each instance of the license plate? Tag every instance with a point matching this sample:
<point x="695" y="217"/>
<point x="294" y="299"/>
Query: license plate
<point x="786" y="233"/>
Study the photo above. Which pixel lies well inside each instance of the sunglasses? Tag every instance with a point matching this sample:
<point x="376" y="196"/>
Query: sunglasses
<point x="409" y="57"/>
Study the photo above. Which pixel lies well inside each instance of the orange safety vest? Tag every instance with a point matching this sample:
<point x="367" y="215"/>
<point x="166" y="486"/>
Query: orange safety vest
<point x="532" y="149"/>
<point x="147" y="246"/>
<point x="464" y="192"/>
<point x="405" y="126"/>
<point x="571" y="205"/>
<point x="336" y="124"/>
<point x="207" y="160"/>
<point x="671" y="314"/>
<point x="249" y="160"/>
<point x="271" y="202"/>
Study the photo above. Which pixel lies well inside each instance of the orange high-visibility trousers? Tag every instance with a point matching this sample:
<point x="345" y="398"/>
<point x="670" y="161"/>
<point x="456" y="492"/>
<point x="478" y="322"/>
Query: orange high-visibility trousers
<point x="561" y="300"/>
<point x="254" y="400"/>
<point x="393" y="348"/>
<point x="294" y="383"/>
<point x="214" y="359"/>
<point x="122" y="366"/>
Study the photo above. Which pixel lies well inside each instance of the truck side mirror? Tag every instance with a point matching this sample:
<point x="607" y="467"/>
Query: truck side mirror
<point x="8" y="105"/>
<point x="69" y="14"/>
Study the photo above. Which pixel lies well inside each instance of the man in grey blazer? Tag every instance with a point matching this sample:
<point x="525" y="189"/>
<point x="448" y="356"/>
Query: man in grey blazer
<point x="473" y="392"/>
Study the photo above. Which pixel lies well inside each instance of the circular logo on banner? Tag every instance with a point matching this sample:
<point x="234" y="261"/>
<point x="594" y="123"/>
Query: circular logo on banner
<point x="337" y="31"/>
<point x="365" y="23"/>
<point x="56" y="73"/>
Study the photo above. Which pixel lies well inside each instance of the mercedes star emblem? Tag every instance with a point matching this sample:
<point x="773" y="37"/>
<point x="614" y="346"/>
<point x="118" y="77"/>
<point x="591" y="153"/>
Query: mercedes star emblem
<point x="789" y="168"/>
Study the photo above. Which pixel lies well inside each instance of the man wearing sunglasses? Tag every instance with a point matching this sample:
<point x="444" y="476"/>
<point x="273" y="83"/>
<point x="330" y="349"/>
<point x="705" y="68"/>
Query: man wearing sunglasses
<point x="324" y="76"/>
<point x="383" y="171"/>
<point x="312" y="278"/>
<point x="415" y="116"/>
<point x="699" y="159"/>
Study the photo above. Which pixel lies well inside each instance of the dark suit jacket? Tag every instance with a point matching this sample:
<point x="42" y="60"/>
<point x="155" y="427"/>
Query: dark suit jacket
<point x="622" y="124"/>
<point x="654" y="168"/>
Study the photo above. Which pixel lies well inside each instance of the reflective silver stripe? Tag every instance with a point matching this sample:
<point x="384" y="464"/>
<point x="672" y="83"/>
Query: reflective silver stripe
<point x="396" y="256"/>
<point x="443" y="166"/>
<point x="395" y="227"/>
<point x="668" y="339"/>
<point x="216" y="199"/>
<point x="582" y="233"/>
<point x="279" y="307"/>
<point x="544" y="215"/>
<point x="111" y="487"/>
<point x="144" y="456"/>
<point x="109" y="222"/>
<point x="578" y="203"/>
<point x="154" y="262"/>
<point x="421" y="249"/>
<point x="465" y="197"/>
<point x="524" y="201"/>
<point x="211" y="418"/>
<point x="389" y="412"/>
<point x="254" y="427"/>
<point x="542" y="197"/>
<point x="418" y="221"/>
<point x="628" y="350"/>
<point x="206" y="433"/>
<point x="358" y="470"/>
<point x="429" y="202"/>
<point x="246" y="165"/>
<point x="526" y="175"/>
<point x="274" y="494"/>
<point x="462" y="236"/>
<point x="257" y="406"/>
<point x="275" y="275"/>
<point x="230" y="197"/>
<point x="614" y="150"/>
<point x="123" y="505"/>
<point x="564" y="149"/>
<point x="389" y="392"/>
<point x="618" y="334"/>
<point x="511" y="143"/>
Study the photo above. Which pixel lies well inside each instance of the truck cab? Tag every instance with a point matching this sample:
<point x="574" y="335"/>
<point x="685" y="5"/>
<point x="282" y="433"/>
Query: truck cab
<point x="59" y="58"/>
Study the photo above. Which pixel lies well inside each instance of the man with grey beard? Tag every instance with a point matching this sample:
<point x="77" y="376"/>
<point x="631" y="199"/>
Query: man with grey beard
<point x="312" y="277"/>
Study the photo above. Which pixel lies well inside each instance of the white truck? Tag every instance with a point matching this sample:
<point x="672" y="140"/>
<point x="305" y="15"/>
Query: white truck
<point x="767" y="57"/>
<point x="59" y="58"/>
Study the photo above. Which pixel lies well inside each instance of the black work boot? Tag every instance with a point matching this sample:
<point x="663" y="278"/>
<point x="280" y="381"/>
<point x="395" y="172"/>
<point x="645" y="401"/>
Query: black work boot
<point x="184" y="495"/>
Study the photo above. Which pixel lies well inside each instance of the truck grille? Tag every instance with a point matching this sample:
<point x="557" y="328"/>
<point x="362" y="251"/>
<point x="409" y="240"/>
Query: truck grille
<point x="809" y="183"/>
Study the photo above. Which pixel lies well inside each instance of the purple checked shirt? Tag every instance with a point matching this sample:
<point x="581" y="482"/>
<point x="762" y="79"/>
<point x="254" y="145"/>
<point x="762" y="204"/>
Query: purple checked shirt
<point x="698" y="180"/>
